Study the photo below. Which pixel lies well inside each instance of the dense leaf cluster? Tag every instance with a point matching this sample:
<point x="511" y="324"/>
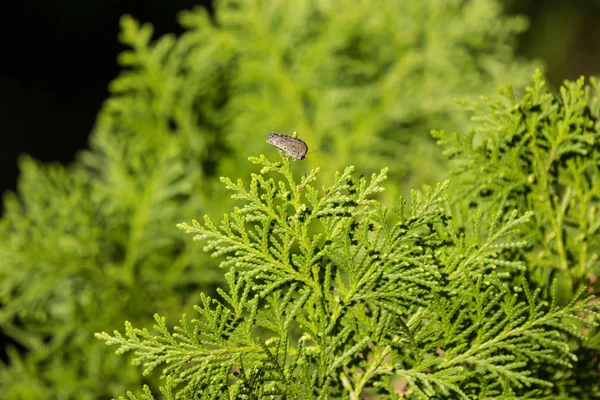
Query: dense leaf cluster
<point x="541" y="152"/>
<point x="331" y="295"/>
<point x="85" y="247"/>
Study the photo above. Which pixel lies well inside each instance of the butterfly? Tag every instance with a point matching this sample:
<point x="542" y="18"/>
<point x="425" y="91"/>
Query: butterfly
<point x="294" y="147"/>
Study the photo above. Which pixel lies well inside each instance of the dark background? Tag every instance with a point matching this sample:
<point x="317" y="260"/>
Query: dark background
<point x="57" y="59"/>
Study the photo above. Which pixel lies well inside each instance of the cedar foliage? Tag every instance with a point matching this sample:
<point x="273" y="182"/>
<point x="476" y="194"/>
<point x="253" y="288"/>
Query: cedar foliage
<point x="331" y="295"/>
<point x="541" y="152"/>
<point x="87" y="246"/>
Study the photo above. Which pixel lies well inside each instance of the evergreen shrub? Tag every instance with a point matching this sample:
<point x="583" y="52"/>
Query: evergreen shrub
<point x="332" y="295"/>
<point x="86" y="246"/>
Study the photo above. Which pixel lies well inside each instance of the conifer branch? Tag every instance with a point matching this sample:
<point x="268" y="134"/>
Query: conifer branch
<point x="330" y="295"/>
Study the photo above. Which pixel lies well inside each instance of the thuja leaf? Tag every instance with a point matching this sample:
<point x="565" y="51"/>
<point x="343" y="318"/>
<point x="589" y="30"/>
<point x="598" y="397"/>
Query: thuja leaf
<point x="332" y="295"/>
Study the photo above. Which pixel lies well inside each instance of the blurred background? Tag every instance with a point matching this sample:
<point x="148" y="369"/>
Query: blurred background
<point x="58" y="58"/>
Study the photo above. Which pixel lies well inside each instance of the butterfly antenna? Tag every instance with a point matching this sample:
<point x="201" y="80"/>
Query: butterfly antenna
<point x="316" y="151"/>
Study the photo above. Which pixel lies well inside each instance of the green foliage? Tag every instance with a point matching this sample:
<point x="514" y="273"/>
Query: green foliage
<point x="84" y="247"/>
<point x="87" y="246"/>
<point x="540" y="151"/>
<point x="386" y="74"/>
<point x="332" y="295"/>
